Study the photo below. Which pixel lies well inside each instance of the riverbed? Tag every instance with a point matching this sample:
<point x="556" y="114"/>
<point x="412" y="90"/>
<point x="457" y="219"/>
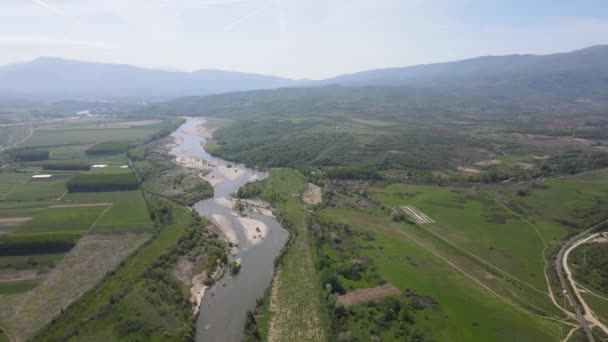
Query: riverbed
<point x="257" y="238"/>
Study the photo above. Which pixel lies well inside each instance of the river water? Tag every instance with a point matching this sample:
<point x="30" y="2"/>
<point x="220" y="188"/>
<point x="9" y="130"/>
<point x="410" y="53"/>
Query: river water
<point x="222" y="312"/>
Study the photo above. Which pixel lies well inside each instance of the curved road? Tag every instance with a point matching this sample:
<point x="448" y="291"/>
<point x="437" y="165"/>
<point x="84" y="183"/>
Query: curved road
<point x="568" y="284"/>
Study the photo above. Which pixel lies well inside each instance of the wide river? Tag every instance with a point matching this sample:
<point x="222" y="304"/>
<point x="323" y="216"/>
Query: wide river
<point x="224" y="305"/>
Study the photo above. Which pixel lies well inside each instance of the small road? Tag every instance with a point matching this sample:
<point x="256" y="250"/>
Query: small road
<point x="567" y="283"/>
<point x="28" y="135"/>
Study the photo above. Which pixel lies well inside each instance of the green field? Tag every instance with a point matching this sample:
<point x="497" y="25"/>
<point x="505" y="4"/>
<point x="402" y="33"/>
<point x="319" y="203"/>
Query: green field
<point x="29" y="261"/>
<point x="467" y="310"/>
<point x="60" y="220"/>
<point x="66" y="137"/>
<point x="128" y="212"/>
<point x="8" y="288"/>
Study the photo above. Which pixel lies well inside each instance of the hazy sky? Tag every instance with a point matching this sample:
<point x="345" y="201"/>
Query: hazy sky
<point x="294" y="38"/>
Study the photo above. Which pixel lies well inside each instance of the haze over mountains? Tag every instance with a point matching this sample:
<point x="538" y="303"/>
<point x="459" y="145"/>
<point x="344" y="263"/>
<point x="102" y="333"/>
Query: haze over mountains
<point x="579" y="73"/>
<point x="51" y="78"/>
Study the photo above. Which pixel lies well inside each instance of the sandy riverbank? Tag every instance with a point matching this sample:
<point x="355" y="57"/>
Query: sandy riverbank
<point x="253" y="205"/>
<point x="256" y="231"/>
<point x="193" y="162"/>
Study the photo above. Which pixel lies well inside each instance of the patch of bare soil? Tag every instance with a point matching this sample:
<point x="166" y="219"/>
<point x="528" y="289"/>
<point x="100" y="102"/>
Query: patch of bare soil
<point x="188" y="271"/>
<point x="253" y="205"/>
<point x="488" y="163"/>
<point x="468" y="171"/>
<point x="551" y="143"/>
<point x="525" y="166"/>
<point x="542" y="157"/>
<point x="312" y="195"/>
<point x="601" y="239"/>
<point x="13" y="221"/>
<point x="193" y="162"/>
<point x="83" y="267"/>
<point x="131" y="124"/>
<point x="366" y="295"/>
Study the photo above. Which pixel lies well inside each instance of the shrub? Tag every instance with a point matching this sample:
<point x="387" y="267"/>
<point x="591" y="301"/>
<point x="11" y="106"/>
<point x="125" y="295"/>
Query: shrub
<point x="103" y="182"/>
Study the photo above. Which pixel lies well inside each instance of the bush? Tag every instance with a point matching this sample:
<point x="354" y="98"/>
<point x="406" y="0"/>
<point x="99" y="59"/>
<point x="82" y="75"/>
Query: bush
<point x="235" y="267"/>
<point x="108" y="147"/>
<point x="30" y="155"/>
<point x="103" y="182"/>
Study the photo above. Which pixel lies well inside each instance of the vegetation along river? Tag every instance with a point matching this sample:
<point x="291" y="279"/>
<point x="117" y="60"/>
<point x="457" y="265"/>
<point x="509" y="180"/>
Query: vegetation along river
<point x="258" y="240"/>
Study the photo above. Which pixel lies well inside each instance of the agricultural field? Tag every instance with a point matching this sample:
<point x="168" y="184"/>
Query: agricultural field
<point x="49" y="233"/>
<point x="293" y="295"/>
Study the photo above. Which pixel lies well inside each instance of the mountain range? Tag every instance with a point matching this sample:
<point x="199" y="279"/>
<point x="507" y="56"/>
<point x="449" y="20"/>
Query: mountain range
<point x="579" y="73"/>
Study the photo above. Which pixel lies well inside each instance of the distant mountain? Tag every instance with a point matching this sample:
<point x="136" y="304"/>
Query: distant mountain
<point x="582" y="73"/>
<point x="59" y="79"/>
<point x="579" y="73"/>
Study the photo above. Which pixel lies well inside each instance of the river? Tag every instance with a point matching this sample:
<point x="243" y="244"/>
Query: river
<point x="224" y="305"/>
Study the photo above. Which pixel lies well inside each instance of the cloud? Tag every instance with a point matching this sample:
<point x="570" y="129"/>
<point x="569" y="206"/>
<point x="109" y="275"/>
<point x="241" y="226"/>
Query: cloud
<point x="49" y="41"/>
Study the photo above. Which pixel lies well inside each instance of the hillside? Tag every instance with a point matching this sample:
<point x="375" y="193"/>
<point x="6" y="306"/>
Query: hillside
<point x="579" y="73"/>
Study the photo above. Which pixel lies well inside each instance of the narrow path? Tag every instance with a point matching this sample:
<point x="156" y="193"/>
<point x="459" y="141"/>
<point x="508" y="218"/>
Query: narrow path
<point x="591" y="292"/>
<point x="472" y="277"/>
<point x="487" y="263"/>
<point x="100" y="216"/>
<point x="29" y="135"/>
<point x="570" y="334"/>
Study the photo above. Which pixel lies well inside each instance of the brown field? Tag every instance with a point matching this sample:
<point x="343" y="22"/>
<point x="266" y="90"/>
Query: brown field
<point x="92" y="257"/>
<point x="131" y="124"/>
<point x="489" y="162"/>
<point x="468" y="171"/>
<point x="525" y="166"/>
<point x="13" y="221"/>
<point x="366" y="295"/>
<point x="312" y="195"/>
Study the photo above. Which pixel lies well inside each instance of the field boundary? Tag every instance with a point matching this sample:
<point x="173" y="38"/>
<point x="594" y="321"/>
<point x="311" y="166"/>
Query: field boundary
<point x="99" y="218"/>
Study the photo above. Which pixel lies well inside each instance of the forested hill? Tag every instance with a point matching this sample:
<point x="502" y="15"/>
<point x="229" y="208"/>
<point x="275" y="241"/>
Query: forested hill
<point x="581" y="73"/>
<point x="386" y="102"/>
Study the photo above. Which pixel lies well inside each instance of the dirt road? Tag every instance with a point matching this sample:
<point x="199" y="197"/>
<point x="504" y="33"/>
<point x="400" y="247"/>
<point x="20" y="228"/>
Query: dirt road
<point x="569" y="285"/>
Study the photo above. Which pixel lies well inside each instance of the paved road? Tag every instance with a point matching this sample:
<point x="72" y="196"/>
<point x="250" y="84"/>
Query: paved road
<point x="565" y="282"/>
